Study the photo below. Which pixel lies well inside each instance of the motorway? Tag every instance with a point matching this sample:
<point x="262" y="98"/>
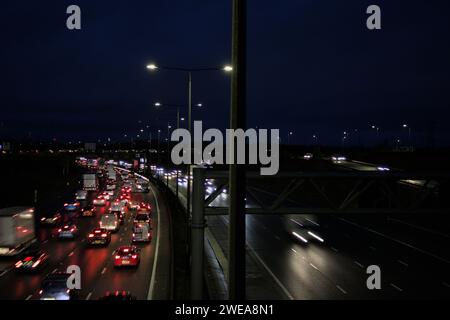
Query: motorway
<point x="97" y="272"/>
<point x="414" y="260"/>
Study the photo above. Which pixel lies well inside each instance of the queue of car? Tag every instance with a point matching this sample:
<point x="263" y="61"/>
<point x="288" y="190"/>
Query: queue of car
<point x="65" y="221"/>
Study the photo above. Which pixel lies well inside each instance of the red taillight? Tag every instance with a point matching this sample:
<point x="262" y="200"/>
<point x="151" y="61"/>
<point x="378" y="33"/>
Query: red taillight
<point x="18" y="264"/>
<point x="91" y="235"/>
<point x="117" y="257"/>
<point x="104" y="235"/>
<point x="59" y="230"/>
<point x="134" y="256"/>
<point x="36" y="264"/>
<point x="72" y="230"/>
<point x="40" y="291"/>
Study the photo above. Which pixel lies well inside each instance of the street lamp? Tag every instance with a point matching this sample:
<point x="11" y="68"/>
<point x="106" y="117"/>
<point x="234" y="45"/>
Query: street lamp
<point x="406" y="126"/>
<point x="189" y="71"/>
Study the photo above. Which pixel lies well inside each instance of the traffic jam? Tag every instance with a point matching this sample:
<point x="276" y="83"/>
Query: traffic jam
<point x="111" y="199"/>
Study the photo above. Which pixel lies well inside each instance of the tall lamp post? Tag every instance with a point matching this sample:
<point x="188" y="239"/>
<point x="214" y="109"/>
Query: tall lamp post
<point x="188" y="72"/>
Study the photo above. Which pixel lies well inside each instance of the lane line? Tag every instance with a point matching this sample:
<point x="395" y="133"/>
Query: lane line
<point x="396" y="287"/>
<point x="29" y="297"/>
<point x="155" y="260"/>
<point x="89" y="296"/>
<point x="341" y="289"/>
<point x="277" y="237"/>
<point x="294" y="250"/>
<point x="359" y="264"/>
<point x="314" y="266"/>
<point x="56" y="269"/>
<point x="403" y="263"/>
<point x="104" y="270"/>
<point x="286" y="292"/>
<point x="334" y="249"/>
<point x="3" y="273"/>
<point x="372" y="248"/>
<point x="445" y="284"/>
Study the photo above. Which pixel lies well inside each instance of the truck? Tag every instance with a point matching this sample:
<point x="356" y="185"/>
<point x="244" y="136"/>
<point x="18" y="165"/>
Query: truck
<point x="111" y="173"/>
<point x="90" y="182"/>
<point x="17" y="231"/>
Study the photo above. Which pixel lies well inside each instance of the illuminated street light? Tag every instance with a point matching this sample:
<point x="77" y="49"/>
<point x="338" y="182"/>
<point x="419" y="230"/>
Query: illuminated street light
<point x="152" y="66"/>
<point x="227" y="68"/>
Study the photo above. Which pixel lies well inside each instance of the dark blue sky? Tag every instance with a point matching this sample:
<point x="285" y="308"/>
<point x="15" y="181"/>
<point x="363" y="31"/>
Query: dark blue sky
<point x="313" y="67"/>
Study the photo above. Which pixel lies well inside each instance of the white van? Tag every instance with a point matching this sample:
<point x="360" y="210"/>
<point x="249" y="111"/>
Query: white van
<point x="141" y="232"/>
<point x="109" y="222"/>
<point x="81" y="195"/>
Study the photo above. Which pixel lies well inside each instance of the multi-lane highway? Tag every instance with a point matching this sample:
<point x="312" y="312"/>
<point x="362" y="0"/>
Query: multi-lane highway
<point x="96" y="263"/>
<point x="333" y="263"/>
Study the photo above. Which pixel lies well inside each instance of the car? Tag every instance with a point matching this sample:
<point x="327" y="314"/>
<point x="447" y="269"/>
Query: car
<point x="109" y="222"/>
<point x="117" y="206"/>
<point x="118" y="296"/>
<point x="141" y="233"/>
<point x="88" y="211"/>
<point x="110" y="186"/>
<point x="68" y="231"/>
<point x="72" y="206"/>
<point x="145" y="207"/>
<point x="306" y="231"/>
<point x="51" y="219"/>
<point x="126" y="256"/>
<point x="308" y="156"/>
<point x="81" y="195"/>
<point x="338" y="158"/>
<point x="54" y="287"/>
<point x="110" y="192"/>
<point x="142" y="217"/>
<point x="99" y="201"/>
<point x="33" y="261"/>
<point x="106" y="195"/>
<point x="125" y="197"/>
<point x="133" y="205"/>
<point x="99" y="236"/>
<point x="120" y="216"/>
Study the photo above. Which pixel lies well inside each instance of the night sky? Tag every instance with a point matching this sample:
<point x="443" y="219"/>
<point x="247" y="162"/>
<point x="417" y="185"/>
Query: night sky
<point x="313" y="67"/>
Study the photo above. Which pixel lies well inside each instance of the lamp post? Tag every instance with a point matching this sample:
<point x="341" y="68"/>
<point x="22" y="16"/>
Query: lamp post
<point x="188" y="72"/>
<point x="406" y="126"/>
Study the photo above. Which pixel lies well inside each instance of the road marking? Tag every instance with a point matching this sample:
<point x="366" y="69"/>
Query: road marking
<point x="358" y="264"/>
<point x="446" y="284"/>
<point x="3" y="273"/>
<point x="396" y="287"/>
<point x="104" y="270"/>
<point x="314" y="266"/>
<point x="89" y="296"/>
<point x="334" y="249"/>
<point x="341" y="289"/>
<point x="155" y="260"/>
<point x="313" y="222"/>
<point x="296" y="222"/>
<point x="56" y="269"/>
<point x="71" y="254"/>
<point x="372" y="248"/>
<point x="294" y="250"/>
<point x="286" y="292"/>
<point x="402" y="262"/>
<point x="29" y="297"/>
<point x="277" y="237"/>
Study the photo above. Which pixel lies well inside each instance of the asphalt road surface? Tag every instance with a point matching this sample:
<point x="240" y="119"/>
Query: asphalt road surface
<point x="96" y="264"/>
